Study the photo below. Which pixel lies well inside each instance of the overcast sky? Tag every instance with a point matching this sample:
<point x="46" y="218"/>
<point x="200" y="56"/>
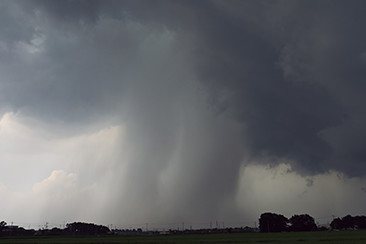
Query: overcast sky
<point x="163" y="112"/>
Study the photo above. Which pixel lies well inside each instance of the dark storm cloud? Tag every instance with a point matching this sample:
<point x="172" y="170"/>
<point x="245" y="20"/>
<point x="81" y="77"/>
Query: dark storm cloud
<point x="79" y="67"/>
<point x="203" y="87"/>
<point x="69" y="11"/>
<point x="281" y="118"/>
<point x="288" y="71"/>
<point x="291" y="73"/>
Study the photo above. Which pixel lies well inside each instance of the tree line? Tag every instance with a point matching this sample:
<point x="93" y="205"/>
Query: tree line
<point x="268" y="222"/>
<point x="272" y="222"/>
<point x="349" y="222"/>
<point x="76" y="228"/>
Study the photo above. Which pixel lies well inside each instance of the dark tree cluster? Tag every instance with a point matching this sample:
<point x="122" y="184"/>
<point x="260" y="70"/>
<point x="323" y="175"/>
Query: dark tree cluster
<point x="79" y="228"/>
<point x="6" y="230"/>
<point x="349" y="222"/>
<point x="271" y="222"/>
<point x="302" y="222"/>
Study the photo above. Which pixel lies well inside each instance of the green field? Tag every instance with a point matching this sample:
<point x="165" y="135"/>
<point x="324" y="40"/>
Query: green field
<point x="353" y="237"/>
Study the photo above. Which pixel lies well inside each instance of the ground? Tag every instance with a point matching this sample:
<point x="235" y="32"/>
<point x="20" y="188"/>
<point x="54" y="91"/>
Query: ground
<point x="344" y="237"/>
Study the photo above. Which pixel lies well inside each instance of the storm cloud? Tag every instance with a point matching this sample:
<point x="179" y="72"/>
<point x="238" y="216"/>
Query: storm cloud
<point x="169" y="104"/>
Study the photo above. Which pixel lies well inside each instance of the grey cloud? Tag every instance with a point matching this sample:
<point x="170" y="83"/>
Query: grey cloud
<point x="309" y="182"/>
<point x="239" y="61"/>
<point x="203" y="88"/>
<point x="13" y="24"/>
<point x="290" y="115"/>
<point x="68" y="12"/>
<point x="329" y="50"/>
<point x="281" y="118"/>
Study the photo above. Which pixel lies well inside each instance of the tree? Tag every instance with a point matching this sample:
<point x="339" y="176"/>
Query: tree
<point x="80" y="228"/>
<point x="2" y="225"/>
<point x="360" y="222"/>
<point x="349" y="222"/>
<point x="337" y="224"/>
<point x="302" y="222"/>
<point x="271" y="222"/>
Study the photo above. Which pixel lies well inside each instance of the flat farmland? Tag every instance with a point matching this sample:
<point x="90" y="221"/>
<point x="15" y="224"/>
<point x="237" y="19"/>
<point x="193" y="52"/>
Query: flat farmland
<point x="353" y="237"/>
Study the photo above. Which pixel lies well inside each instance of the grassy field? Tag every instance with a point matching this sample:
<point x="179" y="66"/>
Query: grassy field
<point x="325" y="237"/>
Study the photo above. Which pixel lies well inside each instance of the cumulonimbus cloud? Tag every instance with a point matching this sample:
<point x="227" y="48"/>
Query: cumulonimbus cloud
<point x="199" y="90"/>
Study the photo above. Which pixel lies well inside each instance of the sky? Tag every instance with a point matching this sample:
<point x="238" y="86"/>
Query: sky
<point x="164" y="112"/>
